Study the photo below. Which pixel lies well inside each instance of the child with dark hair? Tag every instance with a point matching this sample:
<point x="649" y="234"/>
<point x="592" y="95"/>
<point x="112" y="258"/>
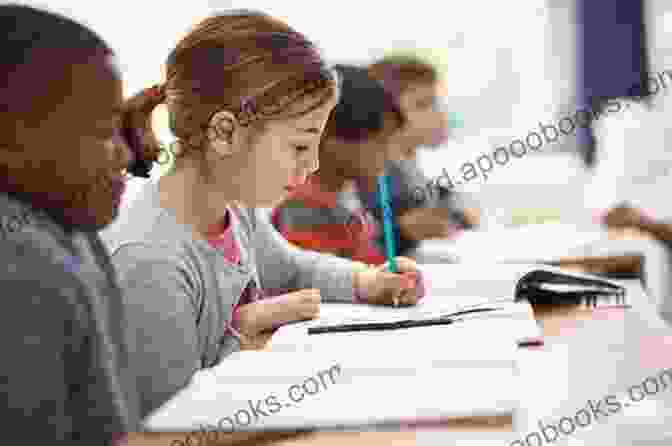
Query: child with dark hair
<point x="325" y="214"/>
<point x="415" y="83"/>
<point x="64" y="374"/>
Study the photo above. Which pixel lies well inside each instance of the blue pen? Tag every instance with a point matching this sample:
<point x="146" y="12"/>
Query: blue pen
<point x="388" y="221"/>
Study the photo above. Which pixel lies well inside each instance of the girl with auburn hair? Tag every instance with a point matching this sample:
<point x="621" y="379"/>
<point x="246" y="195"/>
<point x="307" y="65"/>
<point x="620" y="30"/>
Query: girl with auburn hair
<point x="248" y="99"/>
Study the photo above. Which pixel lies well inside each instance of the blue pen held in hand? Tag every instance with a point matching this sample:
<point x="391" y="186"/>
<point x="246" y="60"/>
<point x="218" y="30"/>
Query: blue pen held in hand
<point x="388" y="221"/>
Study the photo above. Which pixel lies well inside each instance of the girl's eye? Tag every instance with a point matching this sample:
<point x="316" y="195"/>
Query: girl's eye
<point x="302" y="148"/>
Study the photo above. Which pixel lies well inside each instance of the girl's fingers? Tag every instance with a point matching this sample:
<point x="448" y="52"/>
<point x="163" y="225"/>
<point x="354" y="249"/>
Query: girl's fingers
<point x="311" y="295"/>
<point x="409" y="297"/>
<point x="404" y="264"/>
<point x="395" y="286"/>
<point x="312" y="312"/>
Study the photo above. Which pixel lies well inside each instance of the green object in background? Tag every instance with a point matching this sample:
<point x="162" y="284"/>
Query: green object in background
<point x="437" y="57"/>
<point x="455" y="120"/>
<point x="526" y="216"/>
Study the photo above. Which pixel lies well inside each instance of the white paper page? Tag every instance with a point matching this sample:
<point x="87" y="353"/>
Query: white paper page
<point x="479" y="283"/>
<point x="354" y="394"/>
<point x="449" y="288"/>
<point x="527" y="244"/>
<point x="474" y="283"/>
<point x="476" y="338"/>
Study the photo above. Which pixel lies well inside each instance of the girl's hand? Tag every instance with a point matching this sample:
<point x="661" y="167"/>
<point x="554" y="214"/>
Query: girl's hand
<point x="376" y="285"/>
<point x="472" y="216"/>
<point x="297" y="306"/>
<point x="624" y="216"/>
<point x="256" y="341"/>
<point x="425" y="223"/>
<point x="272" y="312"/>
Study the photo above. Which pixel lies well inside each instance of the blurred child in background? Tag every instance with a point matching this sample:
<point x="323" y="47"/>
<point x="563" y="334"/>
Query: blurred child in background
<point x="325" y="214"/>
<point x="416" y="85"/>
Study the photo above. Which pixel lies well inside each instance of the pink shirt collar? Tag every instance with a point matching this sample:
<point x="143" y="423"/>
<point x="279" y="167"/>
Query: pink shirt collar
<point x="222" y="237"/>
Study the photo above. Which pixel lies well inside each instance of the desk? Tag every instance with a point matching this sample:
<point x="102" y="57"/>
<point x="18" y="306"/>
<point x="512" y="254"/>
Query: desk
<point x="588" y="354"/>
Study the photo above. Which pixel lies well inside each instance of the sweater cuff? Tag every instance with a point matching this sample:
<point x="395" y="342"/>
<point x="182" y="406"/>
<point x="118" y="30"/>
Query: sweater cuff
<point x="334" y="277"/>
<point x="357" y="297"/>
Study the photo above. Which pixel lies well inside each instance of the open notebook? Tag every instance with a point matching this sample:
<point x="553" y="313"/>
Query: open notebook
<point x="513" y="322"/>
<point x="497" y="296"/>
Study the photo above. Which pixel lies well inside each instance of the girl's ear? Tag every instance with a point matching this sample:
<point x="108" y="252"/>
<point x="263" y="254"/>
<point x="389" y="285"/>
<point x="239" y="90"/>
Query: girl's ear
<point x="221" y="132"/>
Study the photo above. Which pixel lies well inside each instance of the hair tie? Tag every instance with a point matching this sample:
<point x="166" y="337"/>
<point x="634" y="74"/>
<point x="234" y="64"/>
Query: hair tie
<point x="248" y="108"/>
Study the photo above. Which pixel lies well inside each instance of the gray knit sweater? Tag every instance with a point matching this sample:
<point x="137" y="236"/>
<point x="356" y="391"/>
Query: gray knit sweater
<point x="180" y="291"/>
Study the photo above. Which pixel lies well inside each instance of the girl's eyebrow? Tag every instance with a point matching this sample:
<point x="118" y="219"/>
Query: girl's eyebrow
<point x="312" y="130"/>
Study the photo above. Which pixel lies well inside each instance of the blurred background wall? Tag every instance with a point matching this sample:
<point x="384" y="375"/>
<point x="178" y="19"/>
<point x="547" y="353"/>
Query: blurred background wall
<point x="509" y="66"/>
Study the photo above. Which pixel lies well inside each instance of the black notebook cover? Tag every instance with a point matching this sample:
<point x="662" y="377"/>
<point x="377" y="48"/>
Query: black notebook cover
<point x="542" y="286"/>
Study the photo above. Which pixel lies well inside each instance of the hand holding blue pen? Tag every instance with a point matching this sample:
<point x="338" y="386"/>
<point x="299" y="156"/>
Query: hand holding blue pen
<point x="376" y="285"/>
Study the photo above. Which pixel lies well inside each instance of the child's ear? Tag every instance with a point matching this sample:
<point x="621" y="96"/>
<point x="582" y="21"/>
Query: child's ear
<point x="221" y="132"/>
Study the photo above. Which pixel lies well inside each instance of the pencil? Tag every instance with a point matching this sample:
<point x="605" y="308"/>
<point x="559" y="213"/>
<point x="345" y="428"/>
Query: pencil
<point x="388" y="222"/>
<point x="377" y="326"/>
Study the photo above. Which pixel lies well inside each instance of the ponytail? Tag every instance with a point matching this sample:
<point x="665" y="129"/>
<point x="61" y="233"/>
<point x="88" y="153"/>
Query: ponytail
<point x="137" y="129"/>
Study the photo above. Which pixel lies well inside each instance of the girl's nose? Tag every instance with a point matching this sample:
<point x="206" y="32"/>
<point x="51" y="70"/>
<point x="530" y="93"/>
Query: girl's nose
<point x="312" y="161"/>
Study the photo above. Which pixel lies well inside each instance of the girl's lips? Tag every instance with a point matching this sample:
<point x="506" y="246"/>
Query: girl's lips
<point x="439" y="137"/>
<point x="295" y="184"/>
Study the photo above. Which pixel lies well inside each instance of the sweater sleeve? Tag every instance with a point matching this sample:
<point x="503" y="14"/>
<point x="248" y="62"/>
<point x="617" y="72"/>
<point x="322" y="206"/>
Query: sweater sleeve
<point x="161" y="303"/>
<point x="54" y="381"/>
<point x="286" y="267"/>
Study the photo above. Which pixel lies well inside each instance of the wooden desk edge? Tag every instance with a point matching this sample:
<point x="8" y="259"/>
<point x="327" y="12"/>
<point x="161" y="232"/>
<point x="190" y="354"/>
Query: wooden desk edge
<point x="629" y="262"/>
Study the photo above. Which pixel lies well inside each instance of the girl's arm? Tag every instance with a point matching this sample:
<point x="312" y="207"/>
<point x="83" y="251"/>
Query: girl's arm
<point x="659" y="230"/>
<point x="159" y="307"/>
<point x="625" y="216"/>
<point x="283" y="267"/>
